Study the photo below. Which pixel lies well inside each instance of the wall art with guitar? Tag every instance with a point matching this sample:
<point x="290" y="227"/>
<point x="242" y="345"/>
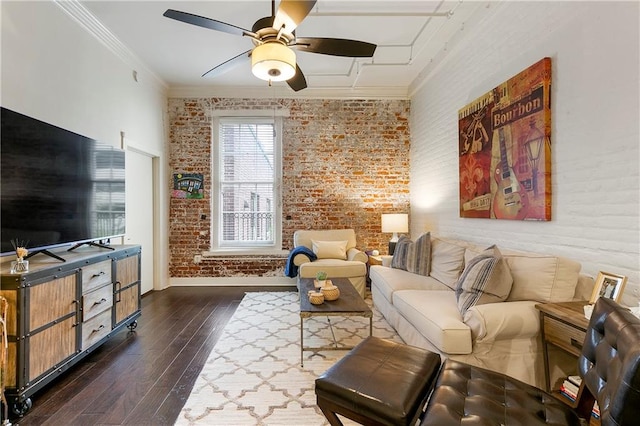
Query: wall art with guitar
<point x="505" y="149"/>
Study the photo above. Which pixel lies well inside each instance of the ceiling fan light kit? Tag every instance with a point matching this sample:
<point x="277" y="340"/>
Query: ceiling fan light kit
<point x="273" y="61"/>
<point x="273" y="58"/>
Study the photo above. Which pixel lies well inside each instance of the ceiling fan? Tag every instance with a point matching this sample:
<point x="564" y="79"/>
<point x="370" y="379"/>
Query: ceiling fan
<point x="273" y="57"/>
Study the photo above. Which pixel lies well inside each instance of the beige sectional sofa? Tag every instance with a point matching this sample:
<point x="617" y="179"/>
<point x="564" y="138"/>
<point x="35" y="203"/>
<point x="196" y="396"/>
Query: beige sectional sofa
<point x="502" y="336"/>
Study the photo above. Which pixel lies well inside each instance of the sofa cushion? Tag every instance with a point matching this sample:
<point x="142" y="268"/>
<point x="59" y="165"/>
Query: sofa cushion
<point x="543" y="278"/>
<point x="401" y="253"/>
<point x="388" y="280"/>
<point x="330" y="249"/>
<point x="447" y="261"/>
<point x="436" y="316"/>
<point x="413" y="256"/>
<point x="485" y="279"/>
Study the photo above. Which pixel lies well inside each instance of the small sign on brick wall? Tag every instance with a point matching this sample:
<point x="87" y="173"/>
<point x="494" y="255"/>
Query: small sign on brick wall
<point x="188" y="185"/>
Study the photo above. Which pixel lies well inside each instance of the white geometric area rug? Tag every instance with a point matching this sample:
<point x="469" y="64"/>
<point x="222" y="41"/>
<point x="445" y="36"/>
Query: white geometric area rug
<point x="253" y="375"/>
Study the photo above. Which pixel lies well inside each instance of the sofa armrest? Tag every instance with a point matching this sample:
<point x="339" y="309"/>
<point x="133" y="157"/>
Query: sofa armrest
<point x="300" y="258"/>
<point x="503" y="320"/>
<point x="355" y="254"/>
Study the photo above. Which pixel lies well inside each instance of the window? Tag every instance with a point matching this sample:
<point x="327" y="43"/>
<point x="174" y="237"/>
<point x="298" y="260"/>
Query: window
<point x="246" y="182"/>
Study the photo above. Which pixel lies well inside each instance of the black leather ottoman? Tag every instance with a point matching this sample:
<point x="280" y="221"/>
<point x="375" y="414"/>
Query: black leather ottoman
<point x="379" y="382"/>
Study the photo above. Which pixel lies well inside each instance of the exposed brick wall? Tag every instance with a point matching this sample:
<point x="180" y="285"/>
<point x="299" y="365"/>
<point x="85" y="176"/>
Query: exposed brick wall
<point x="344" y="163"/>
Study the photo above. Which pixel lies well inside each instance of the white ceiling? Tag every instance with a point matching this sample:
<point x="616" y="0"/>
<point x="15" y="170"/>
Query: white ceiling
<point x="408" y="36"/>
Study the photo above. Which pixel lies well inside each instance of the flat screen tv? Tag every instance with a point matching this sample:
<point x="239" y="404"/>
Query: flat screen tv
<point x="57" y="187"/>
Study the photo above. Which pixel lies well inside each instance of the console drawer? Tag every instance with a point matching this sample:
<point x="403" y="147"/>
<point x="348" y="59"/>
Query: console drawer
<point x="96" y="275"/>
<point x="564" y="335"/>
<point x="96" y="328"/>
<point x="97" y="301"/>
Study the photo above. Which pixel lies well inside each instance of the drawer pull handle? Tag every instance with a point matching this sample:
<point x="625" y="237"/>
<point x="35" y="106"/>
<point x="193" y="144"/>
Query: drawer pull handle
<point x="101" y="301"/>
<point x="576" y="344"/>
<point x="98" y="329"/>
<point x="98" y="274"/>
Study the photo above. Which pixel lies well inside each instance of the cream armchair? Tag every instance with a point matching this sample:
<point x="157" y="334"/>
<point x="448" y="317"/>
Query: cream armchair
<point x="336" y="253"/>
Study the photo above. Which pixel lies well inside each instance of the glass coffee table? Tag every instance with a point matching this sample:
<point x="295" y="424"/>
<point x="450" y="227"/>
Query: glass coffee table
<point x="349" y="304"/>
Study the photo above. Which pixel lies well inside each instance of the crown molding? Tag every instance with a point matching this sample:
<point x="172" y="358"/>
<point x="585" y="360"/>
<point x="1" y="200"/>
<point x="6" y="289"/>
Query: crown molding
<point x="93" y="26"/>
<point x="283" y="91"/>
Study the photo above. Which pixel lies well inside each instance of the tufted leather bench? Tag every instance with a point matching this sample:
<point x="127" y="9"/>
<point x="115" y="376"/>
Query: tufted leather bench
<point x="483" y="397"/>
<point x="379" y="382"/>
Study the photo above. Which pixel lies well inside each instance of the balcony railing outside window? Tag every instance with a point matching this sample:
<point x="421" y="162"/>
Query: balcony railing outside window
<point x="248" y="226"/>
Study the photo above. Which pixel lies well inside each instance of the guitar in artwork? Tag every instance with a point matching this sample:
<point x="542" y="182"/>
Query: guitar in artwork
<point x="510" y="200"/>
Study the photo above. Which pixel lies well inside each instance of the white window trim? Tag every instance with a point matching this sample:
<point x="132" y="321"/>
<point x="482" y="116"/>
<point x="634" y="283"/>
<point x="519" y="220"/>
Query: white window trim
<point x="216" y="202"/>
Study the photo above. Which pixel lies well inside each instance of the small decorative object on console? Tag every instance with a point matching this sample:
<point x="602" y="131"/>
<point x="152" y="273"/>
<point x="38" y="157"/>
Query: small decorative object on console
<point x="330" y="292"/>
<point x="321" y="277"/>
<point x="609" y="286"/>
<point x="19" y="265"/>
<point x="316" y="297"/>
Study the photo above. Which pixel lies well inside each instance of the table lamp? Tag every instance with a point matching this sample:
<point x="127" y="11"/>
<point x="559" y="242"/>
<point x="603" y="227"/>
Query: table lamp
<point x="395" y="222"/>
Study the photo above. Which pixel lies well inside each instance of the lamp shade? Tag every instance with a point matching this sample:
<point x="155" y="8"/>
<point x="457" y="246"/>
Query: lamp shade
<point x="395" y="222"/>
<point x="273" y="61"/>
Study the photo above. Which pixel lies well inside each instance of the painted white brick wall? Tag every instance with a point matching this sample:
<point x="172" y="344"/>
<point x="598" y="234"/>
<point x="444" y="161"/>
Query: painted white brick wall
<point x="595" y="137"/>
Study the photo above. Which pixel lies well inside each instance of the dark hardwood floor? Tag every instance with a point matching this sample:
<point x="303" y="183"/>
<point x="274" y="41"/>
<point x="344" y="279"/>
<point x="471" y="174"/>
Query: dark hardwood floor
<point x="142" y="377"/>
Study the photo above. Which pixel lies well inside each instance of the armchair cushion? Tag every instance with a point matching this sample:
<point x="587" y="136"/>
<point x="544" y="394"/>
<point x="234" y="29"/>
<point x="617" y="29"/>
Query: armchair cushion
<point x="335" y="268"/>
<point x="330" y="249"/>
<point x="305" y="237"/>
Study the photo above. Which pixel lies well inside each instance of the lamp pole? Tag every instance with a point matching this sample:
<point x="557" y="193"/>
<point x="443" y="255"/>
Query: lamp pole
<point x="534" y="145"/>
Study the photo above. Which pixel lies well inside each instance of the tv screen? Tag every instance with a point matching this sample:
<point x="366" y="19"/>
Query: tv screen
<point x="56" y="186"/>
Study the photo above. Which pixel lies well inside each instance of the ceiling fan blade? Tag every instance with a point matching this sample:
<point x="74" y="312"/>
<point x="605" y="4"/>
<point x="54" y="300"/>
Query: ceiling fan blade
<point x="204" y="22"/>
<point x="291" y="13"/>
<point x="227" y="65"/>
<point x="297" y="82"/>
<point x="335" y="46"/>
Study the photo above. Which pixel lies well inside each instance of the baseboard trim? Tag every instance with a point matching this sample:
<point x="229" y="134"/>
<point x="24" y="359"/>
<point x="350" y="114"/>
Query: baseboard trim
<point x="231" y="281"/>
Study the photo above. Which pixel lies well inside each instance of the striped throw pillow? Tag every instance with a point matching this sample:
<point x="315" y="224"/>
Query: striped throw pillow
<point x="485" y="279"/>
<point x="414" y="257"/>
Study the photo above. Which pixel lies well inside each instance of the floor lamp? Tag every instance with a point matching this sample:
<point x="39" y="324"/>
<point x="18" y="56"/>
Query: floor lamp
<point x="394" y="223"/>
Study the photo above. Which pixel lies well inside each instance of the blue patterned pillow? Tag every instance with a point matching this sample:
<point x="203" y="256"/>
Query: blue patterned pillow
<point x="414" y="257"/>
<point x="485" y="279"/>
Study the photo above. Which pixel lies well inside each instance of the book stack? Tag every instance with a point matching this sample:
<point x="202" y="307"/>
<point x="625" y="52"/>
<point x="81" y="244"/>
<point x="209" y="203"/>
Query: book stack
<point x="569" y="389"/>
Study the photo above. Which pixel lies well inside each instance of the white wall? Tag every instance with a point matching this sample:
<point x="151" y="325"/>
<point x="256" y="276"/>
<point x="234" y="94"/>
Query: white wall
<point x="57" y="72"/>
<point x="594" y="48"/>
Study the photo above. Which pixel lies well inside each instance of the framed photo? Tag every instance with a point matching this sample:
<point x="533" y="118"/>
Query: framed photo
<point x="608" y="285"/>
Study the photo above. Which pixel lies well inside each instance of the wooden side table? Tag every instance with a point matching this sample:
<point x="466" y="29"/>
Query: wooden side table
<point x="564" y="326"/>
<point x="373" y="260"/>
